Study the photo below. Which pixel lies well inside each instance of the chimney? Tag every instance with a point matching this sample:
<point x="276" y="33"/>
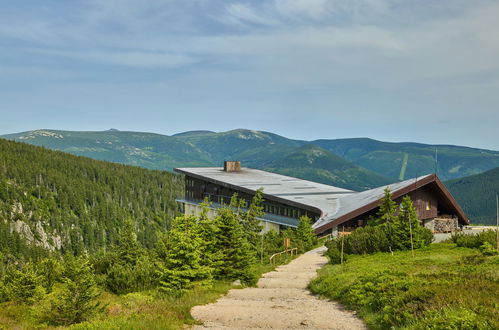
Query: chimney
<point x="232" y="166"/>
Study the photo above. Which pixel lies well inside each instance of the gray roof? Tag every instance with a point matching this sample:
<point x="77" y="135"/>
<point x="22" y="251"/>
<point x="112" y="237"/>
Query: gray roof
<point x="333" y="202"/>
<point x="355" y="201"/>
<point x="297" y="191"/>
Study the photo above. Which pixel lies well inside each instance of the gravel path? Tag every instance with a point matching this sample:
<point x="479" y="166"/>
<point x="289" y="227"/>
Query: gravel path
<point x="281" y="301"/>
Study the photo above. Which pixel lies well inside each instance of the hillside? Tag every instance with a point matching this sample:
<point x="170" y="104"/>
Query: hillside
<point x="412" y="159"/>
<point x="316" y="164"/>
<point x="64" y="202"/>
<point x="370" y="162"/>
<point x="477" y="195"/>
<point x="240" y="144"/>
<point x="153" y="151"/>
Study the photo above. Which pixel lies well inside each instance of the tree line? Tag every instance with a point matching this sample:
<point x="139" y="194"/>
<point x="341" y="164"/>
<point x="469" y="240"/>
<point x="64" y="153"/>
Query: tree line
<point x="75" y="204"/>
<point x="195" y="252"/>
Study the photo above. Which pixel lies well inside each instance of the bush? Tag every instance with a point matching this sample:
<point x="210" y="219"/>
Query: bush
<point x="487" y="249"/>
<point x="334" y="255"/>
<point x="366" y="240"/>
<point x="474" y="241"/>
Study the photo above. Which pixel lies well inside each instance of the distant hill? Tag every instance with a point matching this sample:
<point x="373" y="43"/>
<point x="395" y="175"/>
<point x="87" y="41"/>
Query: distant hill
<point x="373" y="161"/>
<point x="400" y="161"/>
<point x="153" y="151"/>
<point x="477" y="195"/>
<point x="58" y="201"/>
<point x="317" y="164"/>
<point x="240" y="144"/>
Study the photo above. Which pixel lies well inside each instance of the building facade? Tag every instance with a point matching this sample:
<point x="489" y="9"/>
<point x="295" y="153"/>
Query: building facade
<point x="286" y="199"/>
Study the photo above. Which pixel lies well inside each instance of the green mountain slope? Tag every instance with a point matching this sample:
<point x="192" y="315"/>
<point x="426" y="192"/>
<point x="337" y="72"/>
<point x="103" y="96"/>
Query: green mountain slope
<point x="63" y="202"/>
<point x="387" y="158"/>
<point x="477" y="195"/>
<point x="148" y="150"/>
<point x="240" y="144"/>
<point x="317" y="164"/>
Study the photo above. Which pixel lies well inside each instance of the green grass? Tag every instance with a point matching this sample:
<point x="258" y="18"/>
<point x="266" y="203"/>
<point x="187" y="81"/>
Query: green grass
<point x="442" y="287"/>
<point x="138" y="310"/>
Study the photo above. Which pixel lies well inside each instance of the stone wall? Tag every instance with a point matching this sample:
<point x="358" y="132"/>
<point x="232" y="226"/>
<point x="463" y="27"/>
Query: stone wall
<point x="442" y="224"/>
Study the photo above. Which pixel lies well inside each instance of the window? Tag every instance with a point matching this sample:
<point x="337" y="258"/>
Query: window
<point x="428" y="205"/>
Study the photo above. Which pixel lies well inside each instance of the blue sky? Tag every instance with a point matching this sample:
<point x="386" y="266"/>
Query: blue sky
<point x="424" y="71"/>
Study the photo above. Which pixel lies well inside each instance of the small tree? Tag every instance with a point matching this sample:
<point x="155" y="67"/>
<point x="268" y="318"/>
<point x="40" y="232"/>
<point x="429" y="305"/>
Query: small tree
<point x="181" y="251"/>
<point x="238" y="258"/>
<point x="386" y="215"/>
<point x="407" y="230"/>
<point x="50" y="270"/>
<point x="75" y="300"/>
<point x="387" y="209"/>
<point x="249" y="219"/>
<point x="25" y="286"/>
<point x="304" y="235"/>
<point x="128" y="248"/>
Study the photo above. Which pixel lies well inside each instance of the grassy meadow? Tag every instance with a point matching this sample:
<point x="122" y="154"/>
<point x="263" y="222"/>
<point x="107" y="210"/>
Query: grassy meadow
<point x="442" y="287"/>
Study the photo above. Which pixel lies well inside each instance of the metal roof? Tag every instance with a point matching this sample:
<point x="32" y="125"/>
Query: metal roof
<point x="360" y="199"/>
<point x="336" y="205"/>
<point x="278" y="187"/>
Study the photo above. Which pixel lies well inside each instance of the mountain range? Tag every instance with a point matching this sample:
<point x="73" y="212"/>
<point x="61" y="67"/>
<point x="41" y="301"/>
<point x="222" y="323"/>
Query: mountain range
<point x="385" y="161"/>
<point x="356" y="163"/>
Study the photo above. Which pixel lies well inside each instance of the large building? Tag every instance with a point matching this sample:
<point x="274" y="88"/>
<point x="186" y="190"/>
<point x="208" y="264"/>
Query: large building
<point x="330" y="208"/>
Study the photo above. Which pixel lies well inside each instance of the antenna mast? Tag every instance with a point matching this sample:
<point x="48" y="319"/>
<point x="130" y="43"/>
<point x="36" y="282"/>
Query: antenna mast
<point x="436" y="160"/>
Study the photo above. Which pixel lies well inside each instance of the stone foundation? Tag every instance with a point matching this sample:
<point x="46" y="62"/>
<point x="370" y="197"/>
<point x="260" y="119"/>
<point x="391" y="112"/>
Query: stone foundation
<point x="442" y="224"/>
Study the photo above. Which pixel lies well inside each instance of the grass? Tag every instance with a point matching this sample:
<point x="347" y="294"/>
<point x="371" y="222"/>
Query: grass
<point x="442" y="287"/>
<point x="138" y="310"/>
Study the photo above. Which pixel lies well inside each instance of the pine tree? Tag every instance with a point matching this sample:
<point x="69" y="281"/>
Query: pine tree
<point x="407" y="229"/>
<point x="237" y="254"/>
<point x="387" y="209"/>
<point x="181" y="253"/>
<point x="249" y="219"/>
<point x="25" y="286"/>
<point x="304" y="235"/>
<point x="128" y="248"/>
<point x="386" y="216"/>
<point x="75" y="301"/>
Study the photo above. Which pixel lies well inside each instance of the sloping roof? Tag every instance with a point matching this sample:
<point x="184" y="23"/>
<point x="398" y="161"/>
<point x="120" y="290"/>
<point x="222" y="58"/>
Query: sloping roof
<point x="318" y="197"/>
<point x="336" y="205"/>
<point x="362" y="202"/>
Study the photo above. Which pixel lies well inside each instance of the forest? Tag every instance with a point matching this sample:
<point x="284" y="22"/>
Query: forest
<point x="86" y="242"/>
<point x="73" y="204"/>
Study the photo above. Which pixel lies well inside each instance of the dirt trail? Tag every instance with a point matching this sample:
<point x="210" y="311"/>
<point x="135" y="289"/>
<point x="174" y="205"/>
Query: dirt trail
<point x="281" y="301"/>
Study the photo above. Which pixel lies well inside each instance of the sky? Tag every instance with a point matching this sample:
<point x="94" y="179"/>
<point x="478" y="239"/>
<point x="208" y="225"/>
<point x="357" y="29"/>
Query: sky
<point x="393" y="70"/>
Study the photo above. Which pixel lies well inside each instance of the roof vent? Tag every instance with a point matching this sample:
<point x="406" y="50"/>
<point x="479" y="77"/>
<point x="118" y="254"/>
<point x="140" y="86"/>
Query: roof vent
<point x="232" y="166"/>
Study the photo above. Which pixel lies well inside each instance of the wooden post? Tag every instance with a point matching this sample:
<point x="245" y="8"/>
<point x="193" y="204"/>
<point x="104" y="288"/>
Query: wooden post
<point x="410" y="232"/>
<point x="497" y="222"/>
<point x="342" y="244"/>
<point x="261" y="252"/>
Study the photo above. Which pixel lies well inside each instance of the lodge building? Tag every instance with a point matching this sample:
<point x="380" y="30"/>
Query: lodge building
<point x="286" y="199"/>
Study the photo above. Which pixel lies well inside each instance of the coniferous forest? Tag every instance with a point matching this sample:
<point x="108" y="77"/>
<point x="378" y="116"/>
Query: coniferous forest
<point x="83" y="240"/>
<point x="74" y="204"/>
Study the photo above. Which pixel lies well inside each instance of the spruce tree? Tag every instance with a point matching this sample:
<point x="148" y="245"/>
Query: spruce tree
<point x="407" y="227"/>
<point x="25" y="286"/>
<point x="304" y="235"/>
<point x="387" y="209"/>
<point x="237" y="254"/>
<point x="251" y="225"/>
<point x="181" y="253"/>
<point x="75" y="301"/>
<point x="386" y="216"/>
